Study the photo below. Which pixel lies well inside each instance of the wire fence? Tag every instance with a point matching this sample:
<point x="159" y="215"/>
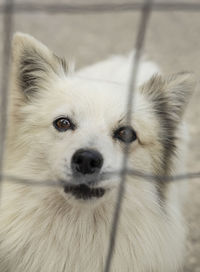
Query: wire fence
<point x="7" y="32"/>
<point x="97" y="8"/>
<point x="9" y="8"/>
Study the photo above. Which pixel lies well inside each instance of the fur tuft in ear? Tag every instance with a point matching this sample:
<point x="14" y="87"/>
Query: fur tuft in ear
<point x="34" y="64"/>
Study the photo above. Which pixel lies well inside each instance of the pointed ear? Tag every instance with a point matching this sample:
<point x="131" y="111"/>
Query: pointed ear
<point x="33" y="64"/>
<point x="170" y="95"/>
<point x="179" y="88"/>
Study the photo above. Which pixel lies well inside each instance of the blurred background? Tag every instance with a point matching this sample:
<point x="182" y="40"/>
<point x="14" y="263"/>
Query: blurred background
<point x="172" y="41"/>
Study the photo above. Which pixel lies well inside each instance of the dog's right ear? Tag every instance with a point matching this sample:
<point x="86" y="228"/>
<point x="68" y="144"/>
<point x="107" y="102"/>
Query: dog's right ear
<point x="34" y="65"/>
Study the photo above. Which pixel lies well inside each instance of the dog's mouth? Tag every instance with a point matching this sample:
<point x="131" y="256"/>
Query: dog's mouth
<point x="83" y="191"/>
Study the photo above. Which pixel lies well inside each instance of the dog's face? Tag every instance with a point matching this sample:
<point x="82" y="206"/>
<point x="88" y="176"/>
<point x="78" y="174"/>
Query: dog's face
<point x="74" y="131"/>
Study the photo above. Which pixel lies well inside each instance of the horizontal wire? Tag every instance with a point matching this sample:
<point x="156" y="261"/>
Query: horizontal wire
<point x="98" y="8"/>
<point x="100" y="80"/>
<point x="107" y="175"/>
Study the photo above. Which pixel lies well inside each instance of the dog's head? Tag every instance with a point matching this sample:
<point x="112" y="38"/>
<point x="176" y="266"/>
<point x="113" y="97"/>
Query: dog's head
<point x="74" y="130"/>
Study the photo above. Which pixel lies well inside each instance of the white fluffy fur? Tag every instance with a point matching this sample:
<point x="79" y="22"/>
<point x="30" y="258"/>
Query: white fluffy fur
<point x="42" y="228"/>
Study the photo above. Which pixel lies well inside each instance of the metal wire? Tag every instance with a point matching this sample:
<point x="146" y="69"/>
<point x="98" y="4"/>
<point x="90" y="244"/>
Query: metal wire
<point x="97" y="8"/>
<point x="135" y="173"/>
<point x="136" y="59"/>
<point x="7" y="32"/>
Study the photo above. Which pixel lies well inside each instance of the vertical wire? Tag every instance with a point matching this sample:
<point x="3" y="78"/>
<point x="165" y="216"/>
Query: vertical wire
<point x="5" y="66"/>
<point x="134" y="71"/>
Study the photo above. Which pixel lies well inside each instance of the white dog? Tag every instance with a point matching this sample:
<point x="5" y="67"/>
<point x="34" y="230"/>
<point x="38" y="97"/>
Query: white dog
<point x="71" y="129"/>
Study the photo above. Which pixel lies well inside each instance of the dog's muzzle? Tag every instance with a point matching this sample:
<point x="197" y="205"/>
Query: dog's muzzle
<point x="86" y="165"/>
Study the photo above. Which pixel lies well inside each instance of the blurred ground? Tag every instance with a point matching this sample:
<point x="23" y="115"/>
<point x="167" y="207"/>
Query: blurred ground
<point x="173" y="41"/>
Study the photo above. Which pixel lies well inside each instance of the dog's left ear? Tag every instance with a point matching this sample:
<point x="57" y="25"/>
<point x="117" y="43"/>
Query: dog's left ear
<point x="170" y="95"/>
<point x="34" y="65"/>
<point x="179" y="88"/>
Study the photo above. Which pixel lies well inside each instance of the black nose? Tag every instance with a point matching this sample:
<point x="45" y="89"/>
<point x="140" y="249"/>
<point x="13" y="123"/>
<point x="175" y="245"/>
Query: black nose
<point x="86" y="161"/>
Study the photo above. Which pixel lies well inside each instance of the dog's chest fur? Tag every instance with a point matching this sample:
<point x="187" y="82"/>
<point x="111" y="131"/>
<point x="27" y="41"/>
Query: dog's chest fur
<point x="55" y="238"/>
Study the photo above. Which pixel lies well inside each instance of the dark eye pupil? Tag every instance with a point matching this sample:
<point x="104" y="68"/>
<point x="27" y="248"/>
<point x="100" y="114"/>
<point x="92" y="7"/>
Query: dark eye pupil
<point x="63" y="124"/>
<point x="125" y="134"/>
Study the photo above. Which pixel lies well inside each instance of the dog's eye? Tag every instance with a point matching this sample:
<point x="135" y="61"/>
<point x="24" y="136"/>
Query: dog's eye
<point x="125" y="134"/>
<point x="63" y="124"/>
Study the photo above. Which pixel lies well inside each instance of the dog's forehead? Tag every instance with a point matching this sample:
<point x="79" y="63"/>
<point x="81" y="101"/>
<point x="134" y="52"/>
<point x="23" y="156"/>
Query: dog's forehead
<point x="91" y="97"/>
